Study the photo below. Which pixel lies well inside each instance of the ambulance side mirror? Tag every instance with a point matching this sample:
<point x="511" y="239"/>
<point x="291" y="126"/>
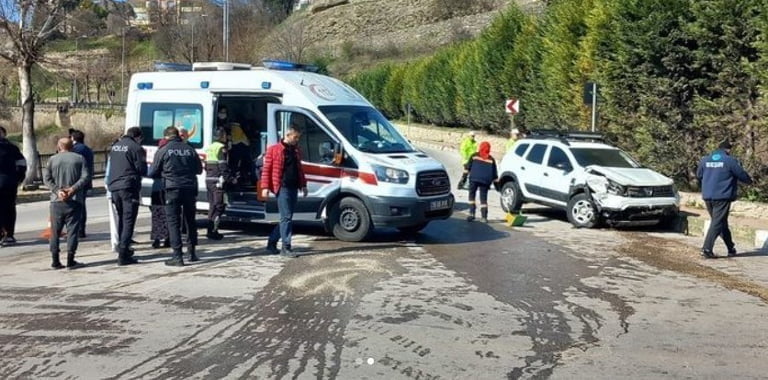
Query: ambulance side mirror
<point x="338" y="155"/>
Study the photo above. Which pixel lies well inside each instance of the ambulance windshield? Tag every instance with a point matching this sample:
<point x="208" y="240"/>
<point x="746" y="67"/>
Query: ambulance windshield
<point x="367" y="129"/>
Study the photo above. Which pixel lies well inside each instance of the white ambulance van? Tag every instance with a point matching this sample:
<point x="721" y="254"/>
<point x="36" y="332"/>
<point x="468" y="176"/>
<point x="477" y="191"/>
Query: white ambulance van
<point x="361" y="172"/>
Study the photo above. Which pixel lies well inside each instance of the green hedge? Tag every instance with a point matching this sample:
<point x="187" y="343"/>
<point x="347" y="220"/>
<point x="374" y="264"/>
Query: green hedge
<point x="675" y="76"/>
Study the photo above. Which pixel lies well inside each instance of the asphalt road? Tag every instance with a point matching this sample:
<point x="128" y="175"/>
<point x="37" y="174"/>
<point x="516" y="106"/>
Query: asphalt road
<point x="459" y="301"/>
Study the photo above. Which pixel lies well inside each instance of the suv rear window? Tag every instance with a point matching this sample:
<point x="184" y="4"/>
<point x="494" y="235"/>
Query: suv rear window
<point x="520" y="150"/>
<point x="536" y="155"/>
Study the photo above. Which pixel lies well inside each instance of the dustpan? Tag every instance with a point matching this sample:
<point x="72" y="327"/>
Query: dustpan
<point x="516" y="220"/>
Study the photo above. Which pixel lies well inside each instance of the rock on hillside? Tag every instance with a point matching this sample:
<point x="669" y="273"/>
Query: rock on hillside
<point x="369" y="30"/>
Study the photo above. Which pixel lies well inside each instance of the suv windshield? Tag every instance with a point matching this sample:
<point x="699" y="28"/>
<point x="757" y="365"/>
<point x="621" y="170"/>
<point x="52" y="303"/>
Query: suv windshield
<point x="612" y="158"/>
<point x="366" y="129"/>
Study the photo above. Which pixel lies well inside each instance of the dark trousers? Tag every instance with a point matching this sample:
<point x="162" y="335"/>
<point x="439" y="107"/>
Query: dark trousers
<point x="8" y="211"/>
<point x="84" y="216"/>
<point x="180" y="208"/>
<point x="159" y="223"/>
<point x="474" y="188"/>
<point x="718" y="213"/>
<point x="65" y="213"/>
<point x="216" y="204"/>
<point x="286" y="203"/>
<point x="127" y="206"/>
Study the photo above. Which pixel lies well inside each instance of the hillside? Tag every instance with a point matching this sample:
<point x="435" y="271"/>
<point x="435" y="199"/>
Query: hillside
<point x="355" y="34"/>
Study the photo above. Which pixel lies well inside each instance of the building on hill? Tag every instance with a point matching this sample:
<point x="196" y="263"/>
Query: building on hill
<point x="302" y="4"/>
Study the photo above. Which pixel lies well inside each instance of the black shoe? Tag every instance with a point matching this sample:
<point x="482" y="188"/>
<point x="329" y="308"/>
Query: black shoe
<point x="156" y="243"/>
<point x="272" y="249"/>
<point x="166" y="243"/>
<point x="707" y="254"/>
<point x="288" y="253"/>
<point x="175" y="261"/>
<point x="471" y="218"/>
<point x="732" y="252"/>
<point x="192" y="255"/>
<point x="214" y="235"/>
<point x="8" y="240"/>
<point x="57" y="266"/>
<point x="75" y="264"/>
<point x="81" y="235"/>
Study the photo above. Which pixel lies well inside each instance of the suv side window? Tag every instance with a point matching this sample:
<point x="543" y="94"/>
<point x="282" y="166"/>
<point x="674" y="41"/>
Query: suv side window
<point x="536" y="155"/>
<point x="557" y="156"/>
<point x="521" y="149"/>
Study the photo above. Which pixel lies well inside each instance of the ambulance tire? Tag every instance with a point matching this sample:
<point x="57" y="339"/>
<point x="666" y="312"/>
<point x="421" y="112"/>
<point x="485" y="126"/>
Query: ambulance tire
<point x="350" y="220"/>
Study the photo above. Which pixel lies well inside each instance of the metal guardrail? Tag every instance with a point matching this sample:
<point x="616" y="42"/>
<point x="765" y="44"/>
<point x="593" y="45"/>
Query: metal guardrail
<point x="99" y="163"/>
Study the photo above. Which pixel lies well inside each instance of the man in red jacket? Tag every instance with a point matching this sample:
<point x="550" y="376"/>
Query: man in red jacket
<point x="282" y="175"/>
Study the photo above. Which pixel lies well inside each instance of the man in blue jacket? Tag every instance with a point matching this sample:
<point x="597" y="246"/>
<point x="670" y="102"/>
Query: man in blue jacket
<point x="719" y="174"/>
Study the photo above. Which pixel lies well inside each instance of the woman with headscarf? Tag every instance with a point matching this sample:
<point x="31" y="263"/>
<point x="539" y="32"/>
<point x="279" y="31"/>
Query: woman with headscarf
<point x="481" y="170"/>
<point x="240" y="161"/>
<point x="159" y="230"/>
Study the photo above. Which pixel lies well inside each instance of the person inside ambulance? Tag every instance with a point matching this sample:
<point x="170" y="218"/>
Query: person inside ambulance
<point x="240" y="160"/>
<point x="222" y="117"/>
<point x="216" y="176"/>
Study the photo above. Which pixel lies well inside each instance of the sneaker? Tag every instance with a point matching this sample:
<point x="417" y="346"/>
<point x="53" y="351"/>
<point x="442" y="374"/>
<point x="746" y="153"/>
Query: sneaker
<point x="471" y="218"/>
<point x="732" y="252"/>
<point x="288" y="253"/>
<point x="707" y="254"/>
<point x="272" y="249"/>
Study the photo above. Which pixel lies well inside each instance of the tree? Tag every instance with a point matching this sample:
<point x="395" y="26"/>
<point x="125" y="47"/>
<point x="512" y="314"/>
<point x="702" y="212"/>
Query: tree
<point x="28" y="25"/>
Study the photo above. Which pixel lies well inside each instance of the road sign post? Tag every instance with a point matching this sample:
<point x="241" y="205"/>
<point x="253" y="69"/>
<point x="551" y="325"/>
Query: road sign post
<point x="590" y="98"/>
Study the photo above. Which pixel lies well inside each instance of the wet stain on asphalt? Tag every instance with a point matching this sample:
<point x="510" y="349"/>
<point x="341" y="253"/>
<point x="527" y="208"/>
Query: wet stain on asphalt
<point x="294" y="325"/>
<point x="533" y="276"/>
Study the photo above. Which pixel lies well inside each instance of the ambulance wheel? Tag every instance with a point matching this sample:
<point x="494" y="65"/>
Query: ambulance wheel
<point x="350" y="220"/>
<point x="412" y="230"/>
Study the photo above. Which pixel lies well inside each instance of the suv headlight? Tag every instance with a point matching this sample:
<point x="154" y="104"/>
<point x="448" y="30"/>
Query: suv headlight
<point x="391" y="175"/>
<point x="615" y="189"/>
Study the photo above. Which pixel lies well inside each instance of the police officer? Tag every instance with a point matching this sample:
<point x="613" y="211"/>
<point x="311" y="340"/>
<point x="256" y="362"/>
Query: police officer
<point x="13" y="168"/>
<point x="216" y="176"/>
<point x="719" y="174"/>
<point x="178" y="164"/>
<point x="127" y="164"/>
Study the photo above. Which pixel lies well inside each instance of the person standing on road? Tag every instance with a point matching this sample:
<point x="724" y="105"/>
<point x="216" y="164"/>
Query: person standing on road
<point x="719" y="174"/>
<point x="282" y="175"/>
<point x="79" y="147"/>
<point x="514" y="135"/>
<point x="481" y="170"/>
<point x="216" y="177"/>
<point x="127" y="164"/>
<point x="159" y="231"/>
<point x="66" y="175"/>
<point x="467" y="148"/>
<point x="13" y="169"/>
<point x="178" y="164"/>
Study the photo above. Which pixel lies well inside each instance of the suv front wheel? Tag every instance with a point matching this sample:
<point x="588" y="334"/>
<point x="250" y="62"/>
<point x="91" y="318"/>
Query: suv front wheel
<point x="582" y="212"/>
<point x="511" y="198"/>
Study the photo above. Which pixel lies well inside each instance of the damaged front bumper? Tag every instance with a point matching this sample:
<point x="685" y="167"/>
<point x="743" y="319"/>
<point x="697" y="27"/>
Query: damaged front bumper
<point x="622" y="211"/>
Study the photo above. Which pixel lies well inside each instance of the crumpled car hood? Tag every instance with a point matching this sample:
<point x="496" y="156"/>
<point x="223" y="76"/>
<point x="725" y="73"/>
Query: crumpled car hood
<point x="632" y="176"/>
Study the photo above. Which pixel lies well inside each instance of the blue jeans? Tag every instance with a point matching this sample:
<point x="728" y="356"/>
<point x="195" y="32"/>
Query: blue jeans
<point x="286" y="203"/>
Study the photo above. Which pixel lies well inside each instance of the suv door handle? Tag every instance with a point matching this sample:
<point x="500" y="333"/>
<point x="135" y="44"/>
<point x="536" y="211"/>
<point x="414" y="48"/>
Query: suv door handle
<point x="546" y="174"/>
<point x="522" y="168"/>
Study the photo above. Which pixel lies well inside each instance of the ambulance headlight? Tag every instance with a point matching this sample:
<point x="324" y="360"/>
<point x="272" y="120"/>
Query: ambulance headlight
<point x="391" y="175"/>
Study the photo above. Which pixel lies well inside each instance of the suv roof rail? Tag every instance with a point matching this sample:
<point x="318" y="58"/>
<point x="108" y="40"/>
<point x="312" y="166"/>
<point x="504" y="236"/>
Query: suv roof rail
<point x="566" y="136"/>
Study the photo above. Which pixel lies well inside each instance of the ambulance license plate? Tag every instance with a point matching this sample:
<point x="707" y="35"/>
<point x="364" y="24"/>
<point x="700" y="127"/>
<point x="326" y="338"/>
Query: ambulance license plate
<point x="439" y="204"/>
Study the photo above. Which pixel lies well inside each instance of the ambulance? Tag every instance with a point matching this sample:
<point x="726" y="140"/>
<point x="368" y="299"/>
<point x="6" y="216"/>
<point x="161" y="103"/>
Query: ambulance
<point x="362" y="173"/>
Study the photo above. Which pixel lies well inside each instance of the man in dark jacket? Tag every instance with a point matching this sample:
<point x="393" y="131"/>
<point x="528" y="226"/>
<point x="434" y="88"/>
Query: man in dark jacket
<point x="719" y="174"/>
<point x="13" y="168"/>
<point x="127" y="164"/>
<point x="79" y="147"/>
<point x="178" y="164"/>
<point x="283" y="176"/>
<point x="66" y="175"/>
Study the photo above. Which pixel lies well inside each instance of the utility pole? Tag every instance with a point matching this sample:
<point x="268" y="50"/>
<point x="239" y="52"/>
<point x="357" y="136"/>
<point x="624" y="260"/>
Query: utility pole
<point x="122" y="69"/>
<point x="225" y="31"/>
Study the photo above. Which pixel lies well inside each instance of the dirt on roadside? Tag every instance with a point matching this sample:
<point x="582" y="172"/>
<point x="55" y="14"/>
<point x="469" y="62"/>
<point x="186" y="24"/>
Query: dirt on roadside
<point x="676" y="256"/>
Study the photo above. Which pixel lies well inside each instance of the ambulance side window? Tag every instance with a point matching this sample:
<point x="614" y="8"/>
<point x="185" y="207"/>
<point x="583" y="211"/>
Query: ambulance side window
<point x="155" y="117"/>
<point x="316" y="146"/>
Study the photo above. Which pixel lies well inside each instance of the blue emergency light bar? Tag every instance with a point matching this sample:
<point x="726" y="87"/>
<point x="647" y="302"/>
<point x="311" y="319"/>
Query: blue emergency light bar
<point x="274" y="64"/>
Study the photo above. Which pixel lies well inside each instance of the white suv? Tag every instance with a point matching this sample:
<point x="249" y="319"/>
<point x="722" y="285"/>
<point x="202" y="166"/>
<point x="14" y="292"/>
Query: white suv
<point x="593" y="181"/>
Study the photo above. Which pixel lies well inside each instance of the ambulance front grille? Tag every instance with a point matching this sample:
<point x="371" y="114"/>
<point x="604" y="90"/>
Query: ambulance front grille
<point x="435" y="182"/>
